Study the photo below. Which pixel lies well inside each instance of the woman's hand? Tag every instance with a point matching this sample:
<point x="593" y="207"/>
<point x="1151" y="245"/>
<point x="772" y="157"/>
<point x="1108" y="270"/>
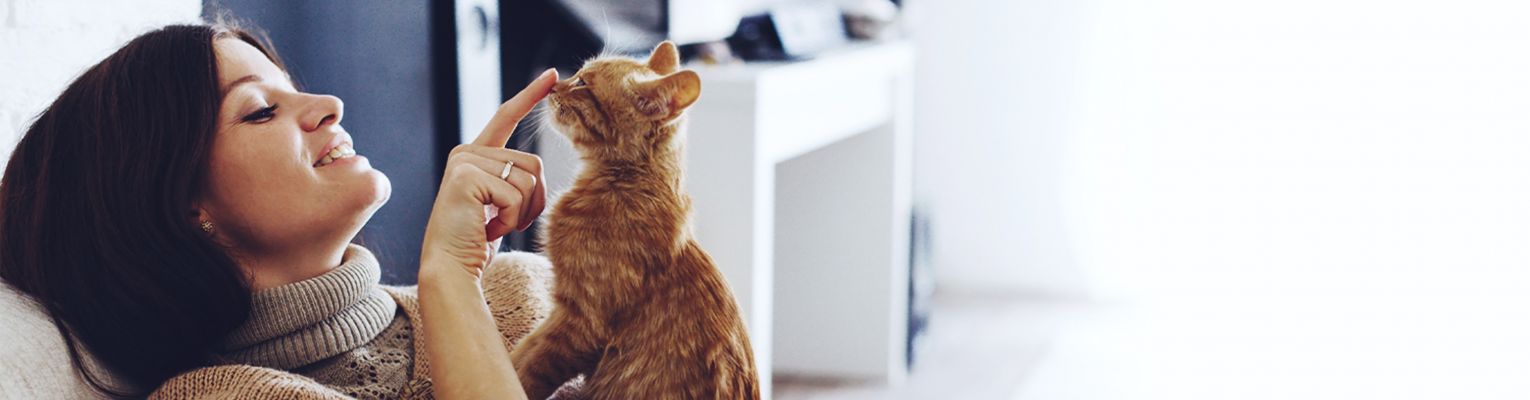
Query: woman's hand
<point x="475" y="207"/>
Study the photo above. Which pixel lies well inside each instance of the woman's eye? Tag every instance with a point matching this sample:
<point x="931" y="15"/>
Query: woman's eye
<point x="261" y="115"/>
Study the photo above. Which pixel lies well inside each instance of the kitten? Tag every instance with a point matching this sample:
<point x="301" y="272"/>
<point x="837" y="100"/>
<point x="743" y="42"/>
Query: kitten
<point x="640" y="310"/>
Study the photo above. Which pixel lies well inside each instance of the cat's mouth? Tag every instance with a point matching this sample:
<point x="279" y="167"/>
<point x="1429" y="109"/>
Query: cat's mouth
<point x="559" y="108"/>
<point x="562" y="113"/>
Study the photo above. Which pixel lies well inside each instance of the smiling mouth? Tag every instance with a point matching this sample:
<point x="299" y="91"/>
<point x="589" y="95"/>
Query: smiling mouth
<point x="343" y="151"/>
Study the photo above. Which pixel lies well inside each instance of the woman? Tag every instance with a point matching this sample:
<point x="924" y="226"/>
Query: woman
<point x="183" y="211"/>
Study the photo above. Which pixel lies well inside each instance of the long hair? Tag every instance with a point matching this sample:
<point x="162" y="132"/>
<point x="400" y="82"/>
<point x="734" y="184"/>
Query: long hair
<point x="96" y="211"/>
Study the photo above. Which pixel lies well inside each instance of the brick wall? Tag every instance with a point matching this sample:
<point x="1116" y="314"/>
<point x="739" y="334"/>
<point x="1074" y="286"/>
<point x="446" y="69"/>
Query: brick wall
<point x="44" y="44"/>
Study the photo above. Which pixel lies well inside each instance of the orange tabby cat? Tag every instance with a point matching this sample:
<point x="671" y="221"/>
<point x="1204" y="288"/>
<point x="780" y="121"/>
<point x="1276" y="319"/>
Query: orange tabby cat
<point x="640" y="309"/>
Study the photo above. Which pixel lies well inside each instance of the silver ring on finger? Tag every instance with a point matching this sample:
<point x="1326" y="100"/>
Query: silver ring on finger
<point x="505" y="173"/>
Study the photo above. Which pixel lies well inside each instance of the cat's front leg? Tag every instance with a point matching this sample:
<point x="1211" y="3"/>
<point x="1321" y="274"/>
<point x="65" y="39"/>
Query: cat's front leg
<point x="552" y="355"/>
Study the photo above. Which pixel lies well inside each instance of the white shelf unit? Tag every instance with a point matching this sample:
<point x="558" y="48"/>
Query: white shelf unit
<point x="800" y="173"/>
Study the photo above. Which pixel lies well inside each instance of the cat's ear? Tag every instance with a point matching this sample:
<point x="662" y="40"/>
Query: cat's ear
<point x="665" y="58"/>
<point x="667" y="97"/>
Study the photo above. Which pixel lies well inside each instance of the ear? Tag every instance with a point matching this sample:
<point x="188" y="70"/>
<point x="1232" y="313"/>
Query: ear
<point x="667" y="97"/>
<point x="665" y="58"/>
<point x="197" y="217"/>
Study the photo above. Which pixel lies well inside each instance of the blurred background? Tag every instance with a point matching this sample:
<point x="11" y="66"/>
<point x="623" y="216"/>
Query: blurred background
<point x="1022" y="199"/>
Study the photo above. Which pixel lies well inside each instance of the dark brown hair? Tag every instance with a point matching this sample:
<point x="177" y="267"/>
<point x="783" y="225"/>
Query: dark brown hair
<point x="96" y="211"/>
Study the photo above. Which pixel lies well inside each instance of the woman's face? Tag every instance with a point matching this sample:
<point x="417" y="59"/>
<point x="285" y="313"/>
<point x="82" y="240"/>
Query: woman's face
<point x="272" y="189"/>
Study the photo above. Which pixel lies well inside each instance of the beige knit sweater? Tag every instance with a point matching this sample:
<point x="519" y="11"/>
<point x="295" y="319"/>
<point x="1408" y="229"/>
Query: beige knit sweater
<point x="516" y="286"/>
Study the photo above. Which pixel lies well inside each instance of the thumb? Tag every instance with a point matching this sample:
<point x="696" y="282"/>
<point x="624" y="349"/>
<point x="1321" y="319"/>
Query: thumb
<point x="497" y="228"/>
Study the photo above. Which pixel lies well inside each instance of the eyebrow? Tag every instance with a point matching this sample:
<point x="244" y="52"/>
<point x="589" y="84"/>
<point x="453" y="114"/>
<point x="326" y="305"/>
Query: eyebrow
<point x="246" y="79"/>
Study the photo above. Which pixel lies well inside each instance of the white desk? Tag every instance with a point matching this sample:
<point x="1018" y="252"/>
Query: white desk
<point x="800" y="178"/>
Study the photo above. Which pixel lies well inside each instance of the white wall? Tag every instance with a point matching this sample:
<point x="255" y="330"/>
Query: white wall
<point x="991" y="124"/>
<point x="44" y="44"/>
<point x="1303" y="146"/>
<point x="1124" y="149"/>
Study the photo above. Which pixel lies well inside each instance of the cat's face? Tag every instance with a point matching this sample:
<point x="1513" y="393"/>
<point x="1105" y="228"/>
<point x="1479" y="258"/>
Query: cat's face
<point x="619" y="102"/>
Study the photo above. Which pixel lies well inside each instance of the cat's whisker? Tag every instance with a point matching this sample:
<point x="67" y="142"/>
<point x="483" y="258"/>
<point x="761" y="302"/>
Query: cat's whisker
<point x="607" y="19"/>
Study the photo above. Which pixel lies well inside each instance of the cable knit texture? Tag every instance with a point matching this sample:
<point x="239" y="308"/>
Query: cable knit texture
<point x="348" y="342"/>
<point x="377" y="370"/>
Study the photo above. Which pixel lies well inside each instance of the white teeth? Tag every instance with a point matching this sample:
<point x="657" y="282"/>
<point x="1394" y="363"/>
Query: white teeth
<point x="344" y="150"/>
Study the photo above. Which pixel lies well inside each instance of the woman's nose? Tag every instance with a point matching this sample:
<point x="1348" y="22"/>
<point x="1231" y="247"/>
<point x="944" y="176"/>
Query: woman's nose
<point x="323" y="110"/>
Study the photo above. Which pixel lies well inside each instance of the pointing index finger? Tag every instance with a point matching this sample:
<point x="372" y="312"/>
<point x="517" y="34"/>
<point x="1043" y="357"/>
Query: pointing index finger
<point x="502" y="125"/>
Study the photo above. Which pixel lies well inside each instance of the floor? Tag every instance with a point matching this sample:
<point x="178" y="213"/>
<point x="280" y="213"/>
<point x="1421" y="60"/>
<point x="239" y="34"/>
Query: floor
<point x="980" y="346"/>
<point x="1229" y="346"/>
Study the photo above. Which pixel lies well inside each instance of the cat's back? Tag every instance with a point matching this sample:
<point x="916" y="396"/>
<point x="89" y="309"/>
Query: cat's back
<point x="698" y="267"/>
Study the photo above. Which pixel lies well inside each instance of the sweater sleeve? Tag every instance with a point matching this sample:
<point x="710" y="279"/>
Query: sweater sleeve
<point x="243" y="382"/>
<point x="518" y="288"/>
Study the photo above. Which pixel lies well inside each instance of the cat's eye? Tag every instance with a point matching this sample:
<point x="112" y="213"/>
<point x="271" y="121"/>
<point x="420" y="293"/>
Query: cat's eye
<point x="578" y="81"/>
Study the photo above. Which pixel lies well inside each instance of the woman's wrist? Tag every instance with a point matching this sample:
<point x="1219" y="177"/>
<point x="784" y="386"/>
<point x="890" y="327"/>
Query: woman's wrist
<point x="439" y="262"/>
<point x="445" y="277"/>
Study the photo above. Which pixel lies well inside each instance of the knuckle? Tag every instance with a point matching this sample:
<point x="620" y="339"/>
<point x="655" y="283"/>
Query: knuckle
<point x="515" y="201"/>
<point x="455" y="158"/>
<point x="461" y="148"/>
<point x="462" y="170"/>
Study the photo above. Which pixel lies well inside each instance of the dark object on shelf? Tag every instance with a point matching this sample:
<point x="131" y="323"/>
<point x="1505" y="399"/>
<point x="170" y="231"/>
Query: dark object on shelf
<point x="789" y="32"/>
<point x="871" y="19"/>
<point x="709" y="53"/>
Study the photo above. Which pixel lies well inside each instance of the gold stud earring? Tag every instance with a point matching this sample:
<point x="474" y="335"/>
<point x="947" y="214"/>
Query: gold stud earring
<point x="207" y="226"/>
